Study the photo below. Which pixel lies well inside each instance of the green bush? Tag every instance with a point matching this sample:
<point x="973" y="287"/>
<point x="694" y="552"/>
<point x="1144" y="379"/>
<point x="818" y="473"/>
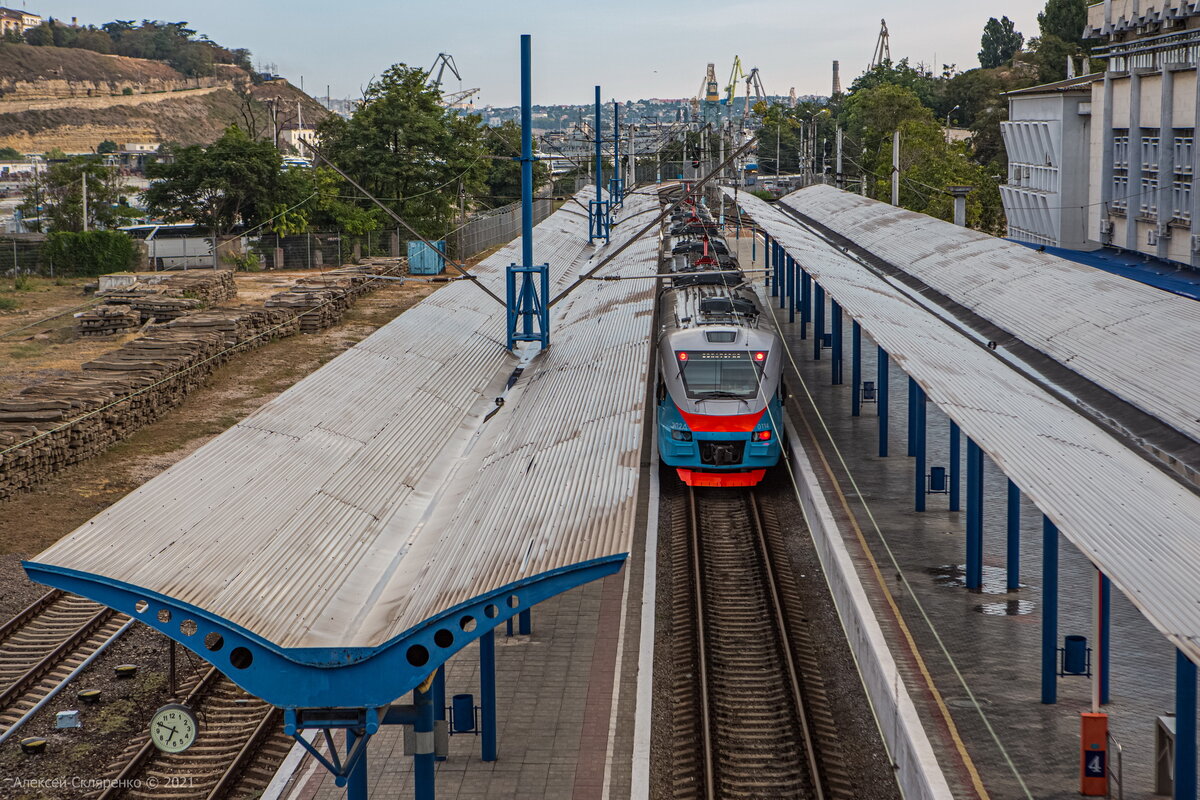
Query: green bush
<point x="89" y="253"/>
<point x="9" y="304"/>
<point x="23" y="283"/>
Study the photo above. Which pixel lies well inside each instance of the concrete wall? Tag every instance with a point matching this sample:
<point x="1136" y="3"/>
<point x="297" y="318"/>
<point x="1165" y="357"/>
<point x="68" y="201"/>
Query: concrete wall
<point x="916" y="766"/>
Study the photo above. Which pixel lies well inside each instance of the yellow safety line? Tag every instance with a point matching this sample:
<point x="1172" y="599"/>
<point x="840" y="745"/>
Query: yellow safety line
<point x="959" y="745"/>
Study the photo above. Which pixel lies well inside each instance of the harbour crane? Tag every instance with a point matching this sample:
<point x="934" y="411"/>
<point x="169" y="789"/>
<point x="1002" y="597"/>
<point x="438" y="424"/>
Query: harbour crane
<point x="754" y="86"/>
<point x="883" y="47"/>
<point x="443" y="62"/>
<point x="736" y="74"/>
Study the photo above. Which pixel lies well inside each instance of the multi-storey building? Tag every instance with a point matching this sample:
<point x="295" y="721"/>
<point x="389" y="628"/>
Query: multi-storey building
<point x="1048" y="137"/>
<point x="17" y="21"/>
<point x="1138" y="122"/>
<point x="1145" y="116"/>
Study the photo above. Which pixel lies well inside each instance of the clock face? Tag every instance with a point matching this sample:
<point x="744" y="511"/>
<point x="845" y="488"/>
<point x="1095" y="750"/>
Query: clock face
<point x="173" y="728"/>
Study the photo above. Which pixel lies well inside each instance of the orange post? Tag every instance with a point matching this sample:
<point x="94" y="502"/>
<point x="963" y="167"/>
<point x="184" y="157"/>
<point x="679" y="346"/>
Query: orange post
<point x="1093" y="755"/>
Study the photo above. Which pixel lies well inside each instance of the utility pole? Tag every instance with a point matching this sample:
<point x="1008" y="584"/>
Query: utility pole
<point x="896" y="168"/>
<point x="85" y="203"/>
<point x="631" y="173"/>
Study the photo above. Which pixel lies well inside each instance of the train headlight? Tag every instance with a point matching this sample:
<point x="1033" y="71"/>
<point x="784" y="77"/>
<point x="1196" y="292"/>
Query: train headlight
<point x="762" y="436"/>
<point x="680" y="435"/>
<point x="760" y="356"/>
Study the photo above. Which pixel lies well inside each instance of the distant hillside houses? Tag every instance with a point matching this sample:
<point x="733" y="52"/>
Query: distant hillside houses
<point x="17" y="21"/>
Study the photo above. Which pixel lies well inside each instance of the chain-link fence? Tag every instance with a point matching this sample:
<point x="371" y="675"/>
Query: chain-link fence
<point x="21" y="254"/>
<point x="495" y="227"/>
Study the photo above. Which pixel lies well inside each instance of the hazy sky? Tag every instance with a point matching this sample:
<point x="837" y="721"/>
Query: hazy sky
<point x="634" y="49"/>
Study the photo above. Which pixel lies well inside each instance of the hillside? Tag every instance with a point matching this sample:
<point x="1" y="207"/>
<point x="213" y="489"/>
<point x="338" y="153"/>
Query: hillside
<point x="74" y="99"/>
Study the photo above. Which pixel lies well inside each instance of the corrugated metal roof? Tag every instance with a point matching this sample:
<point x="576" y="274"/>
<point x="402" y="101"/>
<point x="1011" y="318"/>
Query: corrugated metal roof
<point x="1132" y="520"/>
<point x="1131" y="339"/>
<point x="372" y="494"/>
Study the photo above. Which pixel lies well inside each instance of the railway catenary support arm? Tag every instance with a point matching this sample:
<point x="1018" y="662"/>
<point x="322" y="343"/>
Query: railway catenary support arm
<point x="694" y="190"/>
<point x="400" y="220"/>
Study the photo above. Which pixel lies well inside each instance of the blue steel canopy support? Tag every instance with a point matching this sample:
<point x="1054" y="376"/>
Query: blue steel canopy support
<point x="780" y="273"/>
<point x="487" y="695"/>
<point x="1049" y="611"/>
<point x="1105" y="634"/>
<point x="806" y="284"/>
<point x="974" y="515"/>
<point x="1013" y="559"/>
<point x="881" y="377"/>
<point x="791" y="287"/>
<point x="818" y="320"/>
<point x="439" y="701"/>
<point x="1185" y="727"/>
<point x="325" y="677"/>
<point x="855" y="368"/>
<point x="356" y="786"/>
<point x="599" y="209"/>
<point x="767" y="245"/>
<point x="919" y="450"/>
<point x="912" y="418"/>
<point x="835" y="355"/>
<point x="528" y="304"/>
<point x="423" y="738"/>
<point x="955" y="470"/>
<point x="616" y="187"/>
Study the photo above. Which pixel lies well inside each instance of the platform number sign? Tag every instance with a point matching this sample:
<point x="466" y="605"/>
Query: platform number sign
<point x="1093" y="764"/>
<point x="173" y="728"/>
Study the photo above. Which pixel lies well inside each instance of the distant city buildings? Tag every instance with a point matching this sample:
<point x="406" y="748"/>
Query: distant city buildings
<point x="1109" y="159"/>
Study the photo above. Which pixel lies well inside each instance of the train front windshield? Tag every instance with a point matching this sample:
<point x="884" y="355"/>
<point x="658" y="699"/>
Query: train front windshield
<point x="708" y="374"/>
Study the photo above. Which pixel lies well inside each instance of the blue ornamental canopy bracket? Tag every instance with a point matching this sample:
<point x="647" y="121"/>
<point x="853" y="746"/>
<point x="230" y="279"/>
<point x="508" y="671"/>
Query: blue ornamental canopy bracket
<point x="325" y="677"/>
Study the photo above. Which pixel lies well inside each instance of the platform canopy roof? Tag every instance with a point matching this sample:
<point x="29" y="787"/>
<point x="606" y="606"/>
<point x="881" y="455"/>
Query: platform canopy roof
<point x="1136" y="523"/>
<point x="1132" y="339"/>
<point x="403" y="499"/>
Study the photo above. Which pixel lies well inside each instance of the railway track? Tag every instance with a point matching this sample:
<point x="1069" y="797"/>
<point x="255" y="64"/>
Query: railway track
<point x="43" y="644"/>
<point x="750" y="717"/>
<point x="240" y="745"/>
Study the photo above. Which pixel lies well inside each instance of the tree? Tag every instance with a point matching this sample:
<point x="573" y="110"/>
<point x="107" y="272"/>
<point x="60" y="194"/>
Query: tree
<point x="106" y="147"/>
<point x="999" y="43"/>
<point x="1064" y="19"/>
<point x="59" y="193"/>
<point x="234" y="180"/>
<point x="504" y="176"/>
<point x="406" y="149"/>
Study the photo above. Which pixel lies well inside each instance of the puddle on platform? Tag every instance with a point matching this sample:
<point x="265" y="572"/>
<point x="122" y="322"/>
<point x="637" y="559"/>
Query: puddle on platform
<point x="995" y="579"/>
<point x="1009" y="608"/>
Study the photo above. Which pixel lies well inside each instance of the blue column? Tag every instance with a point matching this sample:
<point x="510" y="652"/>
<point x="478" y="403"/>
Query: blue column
<point x="974" y="515"/>
<point x="955" y="472"/>
<point x="423" y="771"/>
<point x="356" y="785"/>
<point x="767" y="264"/>
<point x="1185" y="727"/>
<point x="818" y="319"/>
<point x="753" y="246"/>
<point x="855" y="368"/>
<point x="791" y="287"/>
<point x="527" y="158"/>
<point x="1049" y="611"/>
<point x="487" y="694"/>
<point x="439" y="698"/>
<point x="617" y="190"/>
<point x="806" y="284"/>
<point x="881" y="380"/>
<point x="912" y="418"/>
<point x="780" y="271"/>
<point x="835" y="325"/>
<point x="525" y="622"/>
<point x="1013" y="561"/>
<point x="1105" y="638"/>
<point x="919" y="432"/>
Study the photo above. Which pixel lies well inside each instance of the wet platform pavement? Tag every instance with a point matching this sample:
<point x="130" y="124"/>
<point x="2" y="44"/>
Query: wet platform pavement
<point x="971" y="660"/>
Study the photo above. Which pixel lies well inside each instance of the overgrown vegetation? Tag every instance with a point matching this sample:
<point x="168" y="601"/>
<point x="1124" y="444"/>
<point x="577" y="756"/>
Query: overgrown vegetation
<point x="173" y="42"/>
<point x="89" y="253"/>
<point x="922" y="105"/>
<point x="54" y="199"/>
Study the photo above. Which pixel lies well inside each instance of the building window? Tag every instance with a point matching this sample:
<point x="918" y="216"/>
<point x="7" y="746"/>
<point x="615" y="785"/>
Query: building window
<point x="1120" y="193"/>
<point x="1150" y="146"/>
<point x="1184" y="142"/>
<point x="1120" y="148"/>
<point x="1181" y="201"/>
<point x="1148" y="201"/>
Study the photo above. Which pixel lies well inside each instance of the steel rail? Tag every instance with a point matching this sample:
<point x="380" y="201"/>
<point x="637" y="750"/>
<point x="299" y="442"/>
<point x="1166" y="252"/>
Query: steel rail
<point x="24" y="682"/>
<point x="710" y="787"/>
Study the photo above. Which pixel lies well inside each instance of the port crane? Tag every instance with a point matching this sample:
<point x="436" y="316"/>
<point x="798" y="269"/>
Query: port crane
<point x="736" y="74"/>
<point x="443" y="62"/>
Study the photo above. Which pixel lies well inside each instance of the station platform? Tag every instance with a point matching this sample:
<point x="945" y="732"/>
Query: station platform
<point x="565" y="696"/>
<point x="971" y="660"/>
